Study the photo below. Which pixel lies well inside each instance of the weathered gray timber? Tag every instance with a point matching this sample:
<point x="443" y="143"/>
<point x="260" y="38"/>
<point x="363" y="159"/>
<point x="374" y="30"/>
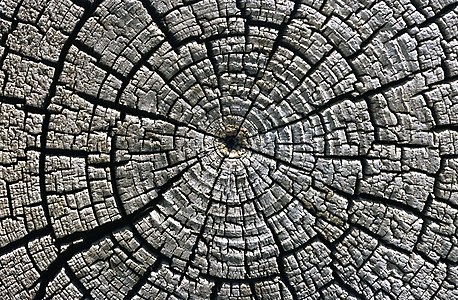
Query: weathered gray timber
<point x="229" y="149"/>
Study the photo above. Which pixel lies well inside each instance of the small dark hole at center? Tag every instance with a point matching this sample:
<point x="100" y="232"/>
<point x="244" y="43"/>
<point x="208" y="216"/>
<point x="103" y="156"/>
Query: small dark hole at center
<point x="231" y="142"/>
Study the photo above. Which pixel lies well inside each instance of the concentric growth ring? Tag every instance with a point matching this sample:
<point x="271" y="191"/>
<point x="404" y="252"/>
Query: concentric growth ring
<point x="229" y="149"/>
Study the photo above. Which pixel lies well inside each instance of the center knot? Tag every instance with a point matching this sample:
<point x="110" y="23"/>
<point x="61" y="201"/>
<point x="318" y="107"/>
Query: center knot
<point x="234" y="142"/>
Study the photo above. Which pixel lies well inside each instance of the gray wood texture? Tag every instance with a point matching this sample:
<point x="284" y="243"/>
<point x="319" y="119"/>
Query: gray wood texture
<point x="220" y="149"/>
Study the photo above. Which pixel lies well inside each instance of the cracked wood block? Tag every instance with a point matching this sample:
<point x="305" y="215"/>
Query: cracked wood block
<point x="228" y="149"/>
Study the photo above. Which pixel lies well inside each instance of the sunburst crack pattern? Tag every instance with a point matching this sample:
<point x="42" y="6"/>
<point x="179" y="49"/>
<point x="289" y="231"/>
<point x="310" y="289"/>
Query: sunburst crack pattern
<point x="220" y="149"/>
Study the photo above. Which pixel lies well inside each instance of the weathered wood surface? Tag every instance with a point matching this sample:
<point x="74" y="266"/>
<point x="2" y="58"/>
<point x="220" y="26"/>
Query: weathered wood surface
<point x="219" y="149"/>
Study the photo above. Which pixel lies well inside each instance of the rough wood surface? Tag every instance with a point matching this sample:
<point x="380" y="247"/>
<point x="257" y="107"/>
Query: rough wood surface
<point x="220" y="149"/>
